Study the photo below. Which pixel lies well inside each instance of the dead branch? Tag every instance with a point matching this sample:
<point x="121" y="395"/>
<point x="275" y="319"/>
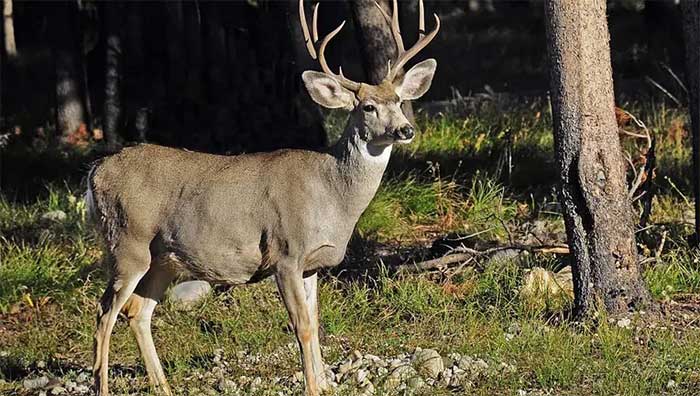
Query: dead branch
<point x="464" y="254"/>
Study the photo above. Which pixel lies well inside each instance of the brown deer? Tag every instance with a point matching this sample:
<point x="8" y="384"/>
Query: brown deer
<point x="239" y="219"/>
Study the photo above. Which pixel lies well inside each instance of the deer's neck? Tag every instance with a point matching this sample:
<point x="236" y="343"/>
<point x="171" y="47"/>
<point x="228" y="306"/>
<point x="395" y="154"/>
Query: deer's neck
<point x="359" y="168"/>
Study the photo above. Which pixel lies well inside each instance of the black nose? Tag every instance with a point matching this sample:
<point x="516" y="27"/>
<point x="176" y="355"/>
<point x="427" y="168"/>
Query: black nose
<point x="405" y="132"/>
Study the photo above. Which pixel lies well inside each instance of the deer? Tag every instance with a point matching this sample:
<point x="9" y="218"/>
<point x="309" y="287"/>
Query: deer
<point x="164" y="212"/>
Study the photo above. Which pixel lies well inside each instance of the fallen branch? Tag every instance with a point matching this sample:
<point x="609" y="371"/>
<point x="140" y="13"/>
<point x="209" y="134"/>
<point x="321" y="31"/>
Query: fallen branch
<point x="464" y="254"/>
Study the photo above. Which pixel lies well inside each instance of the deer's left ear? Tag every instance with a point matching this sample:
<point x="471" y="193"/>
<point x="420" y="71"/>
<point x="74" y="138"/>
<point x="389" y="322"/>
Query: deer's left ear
<point x="416" y="81"/>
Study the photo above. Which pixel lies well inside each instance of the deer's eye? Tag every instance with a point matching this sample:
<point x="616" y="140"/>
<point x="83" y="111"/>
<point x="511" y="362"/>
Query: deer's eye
<point x="369" y="108"/>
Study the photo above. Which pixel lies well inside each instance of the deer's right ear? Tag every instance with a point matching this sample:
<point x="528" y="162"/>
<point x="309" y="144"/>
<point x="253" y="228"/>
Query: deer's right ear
<point x="327" y="91"/>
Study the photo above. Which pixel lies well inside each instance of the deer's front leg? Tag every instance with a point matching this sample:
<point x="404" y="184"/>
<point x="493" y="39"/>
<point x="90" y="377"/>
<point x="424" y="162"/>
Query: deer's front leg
<point x="311" y="291"/>
<point x="291" y="288"/>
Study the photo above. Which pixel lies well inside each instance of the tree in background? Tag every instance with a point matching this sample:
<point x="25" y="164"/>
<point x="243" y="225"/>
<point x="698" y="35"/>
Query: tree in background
<point x="597" y="209"/>
<point x="374" y="35"/>
<point x="113" y="15"/>
<point x="691" y="30"/>
<point x="9" y="29"/>
<point x="137" y="92"/>
<point x="70" y="110"/>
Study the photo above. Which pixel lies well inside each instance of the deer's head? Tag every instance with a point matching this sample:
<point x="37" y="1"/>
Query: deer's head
<point x="375" y="110"/>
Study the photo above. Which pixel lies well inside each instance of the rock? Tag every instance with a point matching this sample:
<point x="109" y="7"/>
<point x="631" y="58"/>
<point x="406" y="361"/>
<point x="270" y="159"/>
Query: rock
<point x="428" y="363"/>
<point x="544" y="289"/>
<point x="345" y="366"/>
<point x="226" y="385"/>
<point x="399" y="375"/>
<point x="361" y="376"/>
<point x="54" y="216"/>
<point x="82" y="377"/>
<point x="35" y="383"/>
<point x="415" y="383"/>
<point x="58" y="390"/>
<point x="671" y="384"/>
<point x="82" y="389"/>
<point x="624" y="323"/>
<point x="367" y="389"/>
<point x="186" y="295"/>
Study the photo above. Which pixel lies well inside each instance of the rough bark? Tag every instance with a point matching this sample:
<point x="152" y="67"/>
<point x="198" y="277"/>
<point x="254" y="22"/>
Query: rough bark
<point x="597" y="211"/>
<point x="113" y="59"/>
<point x="691" y="30"/>
<point x="377" y="46"/>
<point x="70" y="112"/>
<point x="9" y="29"/>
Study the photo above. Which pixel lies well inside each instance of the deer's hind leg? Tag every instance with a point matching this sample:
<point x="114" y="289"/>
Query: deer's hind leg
<point x="131" y="262"/>
<point x="139" y="309"/>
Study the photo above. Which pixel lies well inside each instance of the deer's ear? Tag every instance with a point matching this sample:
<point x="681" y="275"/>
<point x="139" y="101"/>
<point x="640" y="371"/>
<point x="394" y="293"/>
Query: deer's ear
<point x="416" y="81"/>
<point x="327" y="91"/>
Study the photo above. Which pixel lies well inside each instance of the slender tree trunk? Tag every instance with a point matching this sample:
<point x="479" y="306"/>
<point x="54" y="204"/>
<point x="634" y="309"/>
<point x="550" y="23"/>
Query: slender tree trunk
<point x="70" y="113"/>
<point x="136" y="85"/>
<point x="597" y="211"/>
<point x="9" y="29"/>
<point x="377" y="45"/>
<point x="177" y="63"/>
<point x="193" y="95"/>
<point x="218" y="111"/>
<point x="691" y="30"/>
<point x="113" y="60"/>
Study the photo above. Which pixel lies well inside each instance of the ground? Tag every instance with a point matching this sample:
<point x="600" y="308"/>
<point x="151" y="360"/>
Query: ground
<point x="485" y="176"/>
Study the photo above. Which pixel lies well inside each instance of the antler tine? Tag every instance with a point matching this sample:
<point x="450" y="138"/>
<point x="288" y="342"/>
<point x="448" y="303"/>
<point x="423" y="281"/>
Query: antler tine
<point x="305" y="31"/>
<point x="314" y="21"/>
<point x="417" y="47"/>
<point x="347" y="83"/>
<point x="320" y="55"/>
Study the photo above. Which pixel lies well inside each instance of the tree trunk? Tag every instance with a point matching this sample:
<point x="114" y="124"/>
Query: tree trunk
<point x="177" y="62"/>
<point x="691" y="30"/>
<point x="9" y="29"/>
<point x="377" y="45"/>
<point x="113" y="59"/>
<point x="70" y="113"/>
<point x="597" y="211"/>
<point x="136" y="85"/>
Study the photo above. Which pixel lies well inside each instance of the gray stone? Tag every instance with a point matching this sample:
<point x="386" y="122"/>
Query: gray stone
<point x="186" y="295"/>
<point x="35" y="383"/>
<point x="58" y="390"/>
<point x="399" y="375"/>
<point x="428" y="363"/>
<point x="55" y="216"/>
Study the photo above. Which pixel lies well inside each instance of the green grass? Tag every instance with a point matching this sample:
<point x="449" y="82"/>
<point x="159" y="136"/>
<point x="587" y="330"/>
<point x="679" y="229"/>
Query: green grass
<point x="448" y="181"/>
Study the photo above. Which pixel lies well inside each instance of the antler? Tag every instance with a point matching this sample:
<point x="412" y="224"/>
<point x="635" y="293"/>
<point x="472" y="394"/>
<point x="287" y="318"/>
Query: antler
<point x="311" y="46"/>
<point x="403" y="55"/>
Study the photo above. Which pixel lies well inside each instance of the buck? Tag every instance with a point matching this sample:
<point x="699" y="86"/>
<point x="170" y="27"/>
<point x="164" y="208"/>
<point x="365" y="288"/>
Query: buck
<point x="164" y="212"/>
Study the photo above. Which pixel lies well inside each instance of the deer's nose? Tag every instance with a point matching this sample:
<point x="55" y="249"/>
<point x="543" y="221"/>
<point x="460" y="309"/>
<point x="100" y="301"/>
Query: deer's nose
<point x="405" y="132"/>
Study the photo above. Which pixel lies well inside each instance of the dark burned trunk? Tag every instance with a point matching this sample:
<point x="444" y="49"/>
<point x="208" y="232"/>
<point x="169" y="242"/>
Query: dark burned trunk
<point x="597" y="211"/>
<point x="113" y="14"/>
<point x="374" y="35"/>
<point x="193" y="74"/>
<point x="377" y="46"/>
<point x="136" y="84"/>
<point x="70" y="113"/>
<point x="177" y="61"/>
<point x="217" y="111"/>
<point x="691" y="30"/>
